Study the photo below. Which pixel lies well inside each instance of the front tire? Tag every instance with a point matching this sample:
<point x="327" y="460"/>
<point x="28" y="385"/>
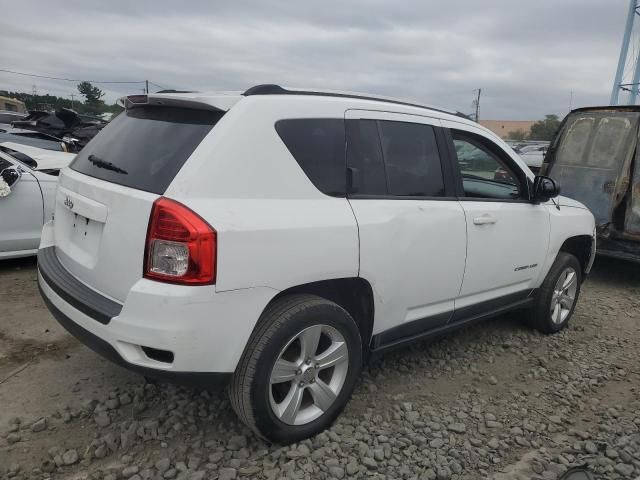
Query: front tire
<point x="298" y="370"/>
<point x="558" y="295"/>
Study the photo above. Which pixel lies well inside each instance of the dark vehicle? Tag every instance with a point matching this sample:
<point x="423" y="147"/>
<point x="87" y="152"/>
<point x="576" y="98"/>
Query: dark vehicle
<point x="594" y="157"/>
<point x="75" y="130"/>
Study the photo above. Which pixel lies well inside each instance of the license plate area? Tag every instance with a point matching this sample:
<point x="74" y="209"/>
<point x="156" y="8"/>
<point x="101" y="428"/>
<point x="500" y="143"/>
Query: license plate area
<point x="80" y="227"/>
<point x="78" y="237"/>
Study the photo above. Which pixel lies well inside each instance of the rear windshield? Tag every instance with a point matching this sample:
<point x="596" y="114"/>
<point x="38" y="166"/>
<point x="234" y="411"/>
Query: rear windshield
<point x="145" y="147"/>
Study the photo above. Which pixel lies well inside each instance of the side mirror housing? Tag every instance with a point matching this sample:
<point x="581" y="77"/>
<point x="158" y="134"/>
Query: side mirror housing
<point x="544" y="189"/>
<point x="8" y="178"/>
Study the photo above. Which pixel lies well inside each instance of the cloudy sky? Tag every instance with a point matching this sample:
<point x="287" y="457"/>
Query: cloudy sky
<point x="527" y="56"/>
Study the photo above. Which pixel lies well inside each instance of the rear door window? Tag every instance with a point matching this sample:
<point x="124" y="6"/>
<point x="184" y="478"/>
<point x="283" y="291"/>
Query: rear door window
<point x="395" y="159"/>
<point x="145" y="147"/>
<point x="411" y="158"/>
<point x="364" y="155"/>
<point x="318" y="145"/>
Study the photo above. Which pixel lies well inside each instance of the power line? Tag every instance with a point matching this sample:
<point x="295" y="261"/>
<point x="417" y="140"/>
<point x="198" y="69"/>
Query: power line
<point x="70" y="79"/>
<point x="156" y="85"/>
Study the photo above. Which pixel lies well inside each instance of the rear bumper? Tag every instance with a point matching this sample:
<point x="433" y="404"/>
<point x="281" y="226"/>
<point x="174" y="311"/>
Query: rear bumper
<point x="193" y="379"/>
<point x="200" y="334"/>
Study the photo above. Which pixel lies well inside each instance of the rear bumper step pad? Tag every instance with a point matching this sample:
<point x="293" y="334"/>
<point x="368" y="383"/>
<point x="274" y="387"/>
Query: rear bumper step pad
<point x="73" y="291"/>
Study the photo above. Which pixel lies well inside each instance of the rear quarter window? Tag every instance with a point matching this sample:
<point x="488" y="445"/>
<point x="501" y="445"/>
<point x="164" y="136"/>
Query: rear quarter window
<point x="145" y="147"/>
<point x="318" y="145"/>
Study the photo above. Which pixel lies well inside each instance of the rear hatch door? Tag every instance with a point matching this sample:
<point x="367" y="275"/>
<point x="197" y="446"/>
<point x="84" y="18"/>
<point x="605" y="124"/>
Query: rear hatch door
<point x="104" y="199"/>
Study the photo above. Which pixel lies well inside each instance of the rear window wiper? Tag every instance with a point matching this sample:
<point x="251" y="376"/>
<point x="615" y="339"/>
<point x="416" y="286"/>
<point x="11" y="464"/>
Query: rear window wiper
<point x="98" y="162"/>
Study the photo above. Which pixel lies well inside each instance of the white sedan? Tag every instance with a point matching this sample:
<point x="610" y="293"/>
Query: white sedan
<point x="28" y="180"/>
<point x="533" y="156"/>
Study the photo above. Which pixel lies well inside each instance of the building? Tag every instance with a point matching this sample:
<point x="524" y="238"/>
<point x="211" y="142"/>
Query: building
<point x="12" y="105"/>
<point x="502" y="128"/>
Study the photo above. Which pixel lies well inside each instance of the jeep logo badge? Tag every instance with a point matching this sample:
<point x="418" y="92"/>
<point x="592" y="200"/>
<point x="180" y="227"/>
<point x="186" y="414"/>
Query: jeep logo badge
<point x="68" y="203"/>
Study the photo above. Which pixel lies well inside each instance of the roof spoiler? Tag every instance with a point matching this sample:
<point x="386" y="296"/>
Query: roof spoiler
<point x="136" y="101"/>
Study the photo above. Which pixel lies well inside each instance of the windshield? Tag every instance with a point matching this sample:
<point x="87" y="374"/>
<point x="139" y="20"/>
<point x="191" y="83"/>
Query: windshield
<point x="145" y="147"/>
<point x="20" y="157"/>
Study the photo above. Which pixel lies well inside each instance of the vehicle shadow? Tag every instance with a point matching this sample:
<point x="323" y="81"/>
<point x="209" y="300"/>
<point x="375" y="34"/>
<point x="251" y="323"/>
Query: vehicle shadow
<point x="17" y="263"/>
<point x="615" y="273"/>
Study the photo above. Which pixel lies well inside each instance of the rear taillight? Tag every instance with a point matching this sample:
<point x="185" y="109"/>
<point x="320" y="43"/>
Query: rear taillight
<point x="181" y="246"/>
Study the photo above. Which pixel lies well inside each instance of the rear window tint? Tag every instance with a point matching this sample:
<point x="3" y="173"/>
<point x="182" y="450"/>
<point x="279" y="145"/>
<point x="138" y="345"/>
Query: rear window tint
<point x="411" y="158"/>
<point x="145" y="147"/>
<point x="318" y="145"/>
<point x="365" y="155"/>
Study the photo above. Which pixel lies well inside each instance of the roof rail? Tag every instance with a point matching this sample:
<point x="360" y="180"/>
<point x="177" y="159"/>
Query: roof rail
<point x="273" y="89"/>
<point x="174" y="91"/>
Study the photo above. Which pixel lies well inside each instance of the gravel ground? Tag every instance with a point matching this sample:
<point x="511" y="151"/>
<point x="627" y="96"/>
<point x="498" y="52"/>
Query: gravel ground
<point x="496" y="400"/>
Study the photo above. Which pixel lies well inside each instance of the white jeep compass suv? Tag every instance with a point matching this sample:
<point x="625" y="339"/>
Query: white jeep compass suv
<point x="279" y="238"/>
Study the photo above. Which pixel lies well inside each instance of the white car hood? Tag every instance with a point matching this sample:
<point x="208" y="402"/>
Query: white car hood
<point x="46" y="159"/>
<point x="569" y="202"/>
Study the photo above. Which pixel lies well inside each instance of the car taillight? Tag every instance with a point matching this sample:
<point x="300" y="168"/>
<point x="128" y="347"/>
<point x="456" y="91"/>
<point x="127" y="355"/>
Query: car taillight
<point x="181" y="246"/>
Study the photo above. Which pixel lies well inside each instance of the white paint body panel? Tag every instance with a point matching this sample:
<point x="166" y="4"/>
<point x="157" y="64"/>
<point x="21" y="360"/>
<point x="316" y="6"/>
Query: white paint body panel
<point x="506" y="256"/>
<point x="570" y="220"/>
<point x="275" y="231"/>
<point x="25" y="209"/>
<point x="100" y="239"/>
<point x="21" y="216"/>
<point x="271" y="220"/>
<point x="402" y="256"/>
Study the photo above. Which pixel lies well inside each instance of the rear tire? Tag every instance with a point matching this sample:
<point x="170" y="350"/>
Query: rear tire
<point x="298" y="369"/>
<point x="558" y="295"/>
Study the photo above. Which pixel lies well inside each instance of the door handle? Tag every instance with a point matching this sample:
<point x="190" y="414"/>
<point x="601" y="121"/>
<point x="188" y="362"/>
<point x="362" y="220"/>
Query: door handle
<point x="485" y="219"/>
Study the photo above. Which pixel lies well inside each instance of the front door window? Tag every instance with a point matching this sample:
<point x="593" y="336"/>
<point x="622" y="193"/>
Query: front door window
<point x="484" y="175"/>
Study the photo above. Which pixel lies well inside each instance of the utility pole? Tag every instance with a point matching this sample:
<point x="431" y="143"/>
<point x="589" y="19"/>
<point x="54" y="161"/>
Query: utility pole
<point x="72" y="95"/>
<point x="147" y="86"/>
<point x="476" y="104"/>
<point x="570" y="100"/>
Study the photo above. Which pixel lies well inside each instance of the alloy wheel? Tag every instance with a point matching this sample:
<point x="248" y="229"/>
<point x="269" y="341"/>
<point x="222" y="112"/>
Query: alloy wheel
<point x="564" y="295"/>
<point x="308" y="374"/>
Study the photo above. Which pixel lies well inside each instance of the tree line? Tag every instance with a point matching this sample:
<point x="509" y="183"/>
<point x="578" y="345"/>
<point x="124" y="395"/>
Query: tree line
<point x="92" y="104"/>
<point x="541" y="130"/>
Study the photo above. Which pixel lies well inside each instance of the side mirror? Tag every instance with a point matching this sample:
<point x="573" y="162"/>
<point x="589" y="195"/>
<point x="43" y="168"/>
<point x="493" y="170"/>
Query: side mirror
<point x="544" y="188"/>
<point x="8" y="178"/>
